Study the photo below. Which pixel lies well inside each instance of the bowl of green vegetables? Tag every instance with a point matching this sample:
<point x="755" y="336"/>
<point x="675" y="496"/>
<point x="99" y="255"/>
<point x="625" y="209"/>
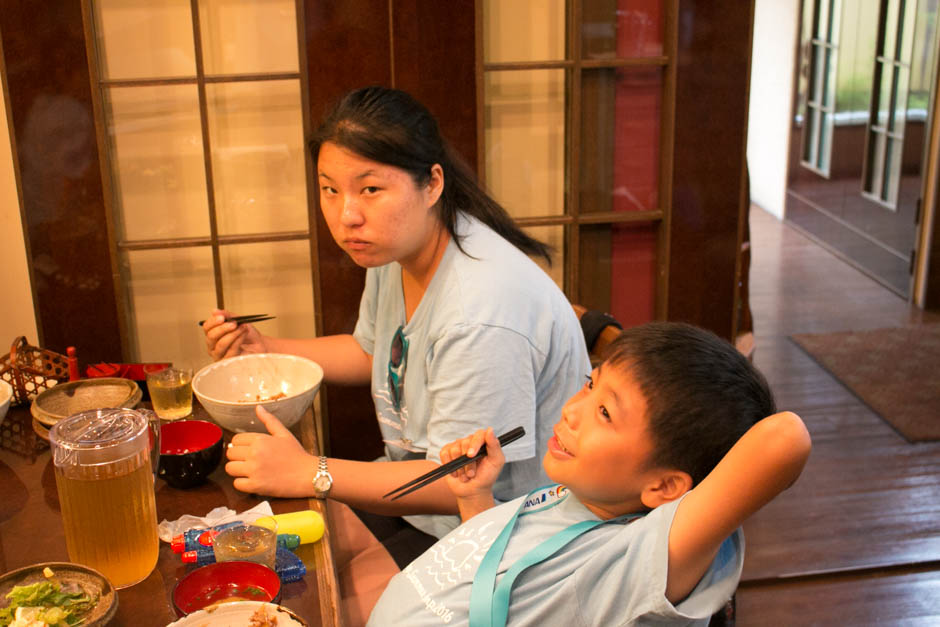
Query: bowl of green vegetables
<point x="56" y="593"/>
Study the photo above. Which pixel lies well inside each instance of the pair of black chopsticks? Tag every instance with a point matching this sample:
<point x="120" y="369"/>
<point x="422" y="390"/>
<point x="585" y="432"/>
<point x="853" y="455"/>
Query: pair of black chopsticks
<point x="244" y="319"/>
<point x="451" y="466"/>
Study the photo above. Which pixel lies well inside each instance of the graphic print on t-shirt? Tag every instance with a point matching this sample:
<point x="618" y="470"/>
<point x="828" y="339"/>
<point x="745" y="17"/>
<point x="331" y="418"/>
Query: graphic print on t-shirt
<point x="448" y="564"/>
<point x="454" y="561"/>
<point x="395" y="419"/>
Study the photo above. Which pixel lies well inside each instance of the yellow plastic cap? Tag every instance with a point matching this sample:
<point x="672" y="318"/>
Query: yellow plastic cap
<point x="307" y="524"/>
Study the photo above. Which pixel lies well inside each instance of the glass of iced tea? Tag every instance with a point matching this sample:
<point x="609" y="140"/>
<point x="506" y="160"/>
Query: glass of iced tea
<point x="105" y="483"/>
<point x="171" y="392"/>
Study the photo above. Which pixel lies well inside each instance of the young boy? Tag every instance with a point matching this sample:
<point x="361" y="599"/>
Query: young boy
<point x="661" y="456"/>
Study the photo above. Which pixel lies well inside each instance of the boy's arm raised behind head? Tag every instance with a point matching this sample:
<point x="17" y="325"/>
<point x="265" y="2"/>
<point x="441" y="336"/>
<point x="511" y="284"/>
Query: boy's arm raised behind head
<point x="764" y="462"/>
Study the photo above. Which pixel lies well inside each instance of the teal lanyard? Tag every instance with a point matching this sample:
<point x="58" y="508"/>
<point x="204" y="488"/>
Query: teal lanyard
<point x="489" y="607"/>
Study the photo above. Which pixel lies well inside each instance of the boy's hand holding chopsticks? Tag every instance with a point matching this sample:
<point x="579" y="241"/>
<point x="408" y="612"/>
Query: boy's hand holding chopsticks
<point x="471" y="466"/>
<point x="457" y="462"/>
<point x="477" y="477"/>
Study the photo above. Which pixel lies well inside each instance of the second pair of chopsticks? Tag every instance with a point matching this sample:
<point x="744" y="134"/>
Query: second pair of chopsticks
<point x="246" y="319"/>
<point x="455" y="464"/>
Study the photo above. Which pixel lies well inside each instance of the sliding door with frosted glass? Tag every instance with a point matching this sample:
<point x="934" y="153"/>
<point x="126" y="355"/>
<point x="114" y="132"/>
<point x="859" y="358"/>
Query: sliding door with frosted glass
<point x="204" y="131"/>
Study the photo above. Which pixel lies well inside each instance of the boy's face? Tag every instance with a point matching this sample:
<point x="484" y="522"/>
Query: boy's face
<point x="601" y="444"/>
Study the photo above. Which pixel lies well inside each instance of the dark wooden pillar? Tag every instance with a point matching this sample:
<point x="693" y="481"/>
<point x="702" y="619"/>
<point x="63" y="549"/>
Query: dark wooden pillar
<point x="712" y="80"/>
<point x="53" y="130"/>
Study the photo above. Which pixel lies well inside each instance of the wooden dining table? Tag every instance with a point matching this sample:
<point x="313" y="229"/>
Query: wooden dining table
<point x="31" y="529"/>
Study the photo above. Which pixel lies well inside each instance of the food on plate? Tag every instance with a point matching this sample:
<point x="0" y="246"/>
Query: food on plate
<point x="261" y="618"/>
<point x="46" y="603"/>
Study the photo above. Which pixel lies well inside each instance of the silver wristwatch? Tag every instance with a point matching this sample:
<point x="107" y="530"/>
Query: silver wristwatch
<point x="323" y="480"/>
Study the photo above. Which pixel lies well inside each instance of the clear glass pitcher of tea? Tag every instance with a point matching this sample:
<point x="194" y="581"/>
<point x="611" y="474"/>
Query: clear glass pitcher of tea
<point x="104" y="476"/>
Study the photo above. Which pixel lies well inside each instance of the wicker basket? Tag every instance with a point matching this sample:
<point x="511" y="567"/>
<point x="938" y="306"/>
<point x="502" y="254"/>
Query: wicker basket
<point x="31" y="370"/>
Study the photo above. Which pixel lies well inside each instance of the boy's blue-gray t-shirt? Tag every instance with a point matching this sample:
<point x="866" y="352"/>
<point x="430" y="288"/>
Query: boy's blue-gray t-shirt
<point x="493" y="343"/>
<point x="615" y="574"/>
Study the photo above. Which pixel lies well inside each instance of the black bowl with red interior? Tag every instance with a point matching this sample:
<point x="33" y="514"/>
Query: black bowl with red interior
<point x="189" y="451"/>
<point x="222" y="582"/>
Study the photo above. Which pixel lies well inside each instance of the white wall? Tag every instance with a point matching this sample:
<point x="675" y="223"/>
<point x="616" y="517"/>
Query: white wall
<point x="771" y="96"/>
<point x="17" y="316"/>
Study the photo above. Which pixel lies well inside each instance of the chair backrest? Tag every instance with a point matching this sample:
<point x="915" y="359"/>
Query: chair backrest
<point x="600" y="329"/>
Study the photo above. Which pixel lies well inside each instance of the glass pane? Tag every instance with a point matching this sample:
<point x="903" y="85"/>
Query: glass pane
<point x="524" y="122"/>
<point x="876" y="163"/>
<point x="256" y="131"/>
<point x="144" y="39"/>
<point x="922" y="61"/>
<point x="835" y="22"/>
<point x="889" y="47"/>
<point x="815" y="128"/>
<point x="855" y="60"/>
<point x="240" y="37"/>
<point x="825" y="143"/>
<point x="819" y="74"/>
<point x="621" y="28"/>
<point x="883" y="90"/>
<point x="618" y="271"/>
<point x="554" y="236"/>
<point x="903" y="77"/>
<point x="272" y="278"/>
<point x="906" y="43"/>
<point x="620" y="139"/>
<point x="159" y="169"/>
<point x="893" y="158"/>
<point x="809" y="135"/>
<point x="804" y="60"/>
<point x="523" y="30"/>
<point x="822" y="19"/>
<point x="169" y="290"/>
<point x="829" y="79"/>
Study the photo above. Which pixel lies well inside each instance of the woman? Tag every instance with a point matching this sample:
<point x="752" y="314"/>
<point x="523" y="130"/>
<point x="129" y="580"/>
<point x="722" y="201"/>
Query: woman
<point x="458" y="329"/>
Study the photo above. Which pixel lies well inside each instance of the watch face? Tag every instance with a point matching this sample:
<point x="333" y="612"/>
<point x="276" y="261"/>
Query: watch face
<point x="322" y="483"/>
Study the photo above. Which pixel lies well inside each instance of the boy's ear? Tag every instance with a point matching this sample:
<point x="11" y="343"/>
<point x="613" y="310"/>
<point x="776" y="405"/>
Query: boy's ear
<point x="667" y="486"/>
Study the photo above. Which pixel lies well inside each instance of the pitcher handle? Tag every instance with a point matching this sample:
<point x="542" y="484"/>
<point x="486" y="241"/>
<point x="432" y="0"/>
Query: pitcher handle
<point x="153" y="423"/>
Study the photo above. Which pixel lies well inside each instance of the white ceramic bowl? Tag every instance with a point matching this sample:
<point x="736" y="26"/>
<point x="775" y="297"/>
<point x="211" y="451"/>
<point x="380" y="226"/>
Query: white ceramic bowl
<point x="283" y="384"/>
<point x="6" y="397"/>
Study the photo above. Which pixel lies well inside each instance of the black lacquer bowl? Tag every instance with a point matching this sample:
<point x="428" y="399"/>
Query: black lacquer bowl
<point x="189" y="451"/>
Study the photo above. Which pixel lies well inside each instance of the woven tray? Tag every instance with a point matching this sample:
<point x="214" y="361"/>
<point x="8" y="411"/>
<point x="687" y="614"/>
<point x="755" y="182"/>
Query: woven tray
<point x="70" y="398"/>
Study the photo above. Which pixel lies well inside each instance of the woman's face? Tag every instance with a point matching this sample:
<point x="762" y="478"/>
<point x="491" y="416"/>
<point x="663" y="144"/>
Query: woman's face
<point x="376" y="212"/>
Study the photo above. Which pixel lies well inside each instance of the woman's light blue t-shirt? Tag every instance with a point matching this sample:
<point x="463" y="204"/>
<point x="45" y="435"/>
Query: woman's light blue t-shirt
<point x="494" y="342"/>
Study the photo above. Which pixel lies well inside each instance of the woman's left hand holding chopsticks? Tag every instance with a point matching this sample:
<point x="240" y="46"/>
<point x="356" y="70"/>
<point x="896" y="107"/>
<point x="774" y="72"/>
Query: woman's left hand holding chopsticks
<point x="473" y="484"/>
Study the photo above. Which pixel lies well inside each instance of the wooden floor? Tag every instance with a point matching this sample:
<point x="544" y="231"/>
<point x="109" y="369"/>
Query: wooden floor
<point x="856" y="541"/>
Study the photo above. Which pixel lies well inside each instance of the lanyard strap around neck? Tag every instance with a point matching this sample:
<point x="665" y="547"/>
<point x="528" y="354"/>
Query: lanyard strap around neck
<point x="489" y="607"/>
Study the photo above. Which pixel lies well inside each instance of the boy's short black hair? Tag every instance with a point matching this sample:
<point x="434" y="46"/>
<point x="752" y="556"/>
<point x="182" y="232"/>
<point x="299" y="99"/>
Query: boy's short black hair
<point x="701" y="393"/>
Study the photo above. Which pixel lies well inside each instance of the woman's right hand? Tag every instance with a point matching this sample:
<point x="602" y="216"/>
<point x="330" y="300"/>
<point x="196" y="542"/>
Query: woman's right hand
<point x="228" y="339"/>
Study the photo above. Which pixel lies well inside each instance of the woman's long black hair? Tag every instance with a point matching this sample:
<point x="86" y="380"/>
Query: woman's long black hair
<point x="389" y="126"/>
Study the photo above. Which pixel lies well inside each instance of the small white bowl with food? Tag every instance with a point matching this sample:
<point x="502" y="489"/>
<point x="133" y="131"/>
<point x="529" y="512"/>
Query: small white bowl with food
<point x="230" y="389"/>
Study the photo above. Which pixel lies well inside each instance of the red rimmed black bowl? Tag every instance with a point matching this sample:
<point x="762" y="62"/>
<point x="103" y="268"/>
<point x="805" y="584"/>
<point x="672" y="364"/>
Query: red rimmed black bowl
<point x="189" y="451"/>
<point x="225" y="582"/>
